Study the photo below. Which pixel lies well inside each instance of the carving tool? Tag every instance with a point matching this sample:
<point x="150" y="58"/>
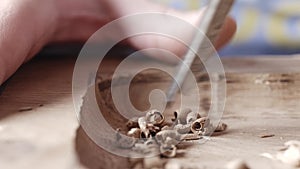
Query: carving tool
<point x="210" y="25"/>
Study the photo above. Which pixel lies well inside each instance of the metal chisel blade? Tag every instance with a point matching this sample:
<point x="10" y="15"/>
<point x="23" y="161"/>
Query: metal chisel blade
<point x="210" y="25"/>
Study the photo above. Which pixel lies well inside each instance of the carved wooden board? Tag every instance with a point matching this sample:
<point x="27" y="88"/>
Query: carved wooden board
<point x="262" y="99"/>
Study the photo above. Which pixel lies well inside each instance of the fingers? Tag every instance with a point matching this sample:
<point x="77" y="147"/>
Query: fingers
<point x="85" y="17"/>
<point x="79" y="19"/>
<point x="226" y="33"/>
<point x="25" y="27"/>
<point x="181" y="30"/>
<point x="29" y="24"/>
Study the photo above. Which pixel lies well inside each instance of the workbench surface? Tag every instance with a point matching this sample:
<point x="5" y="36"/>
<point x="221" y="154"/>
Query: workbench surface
<point x="38" y="125"/>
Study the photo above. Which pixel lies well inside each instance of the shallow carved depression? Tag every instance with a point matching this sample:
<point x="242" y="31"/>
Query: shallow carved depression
<point x="142" y="87"/>
<point x="267" y="92"/>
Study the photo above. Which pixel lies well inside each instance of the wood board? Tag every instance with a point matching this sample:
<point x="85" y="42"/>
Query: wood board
<point x="262" y="98"/>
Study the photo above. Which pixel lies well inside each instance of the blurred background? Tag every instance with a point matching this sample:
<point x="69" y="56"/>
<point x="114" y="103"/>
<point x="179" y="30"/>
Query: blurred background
<point x="265" y="27"/>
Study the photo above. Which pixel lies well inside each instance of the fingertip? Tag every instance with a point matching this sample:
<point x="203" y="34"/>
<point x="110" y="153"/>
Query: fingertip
<point x="227" y="32"/>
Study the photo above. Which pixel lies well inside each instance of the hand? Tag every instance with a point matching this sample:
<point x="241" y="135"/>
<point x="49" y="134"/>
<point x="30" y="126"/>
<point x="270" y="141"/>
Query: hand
<point x="27" y="25"/>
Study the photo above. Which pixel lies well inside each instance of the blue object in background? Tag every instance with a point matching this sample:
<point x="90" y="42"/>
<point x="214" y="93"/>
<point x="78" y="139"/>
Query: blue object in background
<point x="265" y="27"/>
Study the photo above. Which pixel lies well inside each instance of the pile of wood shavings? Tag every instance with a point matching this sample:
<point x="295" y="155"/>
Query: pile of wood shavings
<point x="153" y="135"/>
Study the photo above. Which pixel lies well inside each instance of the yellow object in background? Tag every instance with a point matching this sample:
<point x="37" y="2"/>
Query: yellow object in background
<point x="183" y="5"/>
<point x="264" y="26"/>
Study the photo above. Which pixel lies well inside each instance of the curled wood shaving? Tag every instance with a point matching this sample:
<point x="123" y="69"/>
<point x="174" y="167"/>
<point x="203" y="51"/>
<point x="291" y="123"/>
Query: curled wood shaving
<point x="191" y="117"/>
<point x="221" y="127"/>
<point x="134" y="132"/>
<point x="151" y="134"/>
<point x="166" y="128"/>
<point x="145" y="133"/>
<point x="154" y="117"/>
<point x="162" y="136"/>
<point x="183" y="128"/>
<point x="175" y="117"/>
<point x="153" y="129"/>
<point x="200" y="125"/>
<point x="182" y="115"/>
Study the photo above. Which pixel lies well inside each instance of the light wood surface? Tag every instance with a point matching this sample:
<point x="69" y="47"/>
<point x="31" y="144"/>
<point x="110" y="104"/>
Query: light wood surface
<point x="262" y="98"/>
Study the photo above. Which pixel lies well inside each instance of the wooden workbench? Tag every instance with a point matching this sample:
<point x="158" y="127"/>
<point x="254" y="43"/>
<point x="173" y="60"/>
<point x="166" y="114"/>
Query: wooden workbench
<point x="262" y="99"/>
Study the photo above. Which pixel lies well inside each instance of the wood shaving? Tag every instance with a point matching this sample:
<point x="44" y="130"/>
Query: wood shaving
<point x="162" y="136"/>
<point x="22" y="109"/>
<point x="290" y="154"/>
<point x="134" y="132"/>
<point x="267" y="135"/>
<point x="187" y="137"/>
<point x="150" y="134"/>
<point x="154" y="117"/>
<point x="191" y="117"/>
<point x="145" y="133"/>
<point x="182" y="115"/>
<point x="221" y="127"/>
<point x="267" y="155"/>
<point x="201" y="126"/>
<point x="183" y="128"/>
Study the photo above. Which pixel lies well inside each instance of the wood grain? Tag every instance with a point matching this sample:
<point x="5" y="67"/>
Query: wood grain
<point x="262" y="99"/>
